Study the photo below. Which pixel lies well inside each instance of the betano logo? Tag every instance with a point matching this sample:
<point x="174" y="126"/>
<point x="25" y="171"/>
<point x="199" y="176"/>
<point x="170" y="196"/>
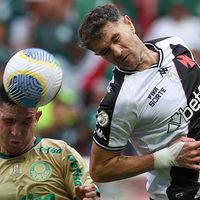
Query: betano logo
<point x="193" y="106"/>
<point x="187" y="113"/>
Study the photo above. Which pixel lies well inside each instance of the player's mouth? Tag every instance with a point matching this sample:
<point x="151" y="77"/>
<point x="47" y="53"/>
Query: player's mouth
<point x="125" y="58"/>
<point x="15" y="143"/>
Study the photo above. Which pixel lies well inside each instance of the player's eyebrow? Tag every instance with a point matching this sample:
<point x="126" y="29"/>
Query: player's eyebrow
<point x="12" y="118"/>
<point x="111" y="41"/>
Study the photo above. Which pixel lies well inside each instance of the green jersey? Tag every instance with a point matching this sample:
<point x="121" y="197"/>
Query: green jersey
<point x="50" y="170"/>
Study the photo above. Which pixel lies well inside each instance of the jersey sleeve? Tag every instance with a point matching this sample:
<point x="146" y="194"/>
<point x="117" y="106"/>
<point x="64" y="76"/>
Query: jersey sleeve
<point x="115" y="121"/>
<point x="74" y="170"/>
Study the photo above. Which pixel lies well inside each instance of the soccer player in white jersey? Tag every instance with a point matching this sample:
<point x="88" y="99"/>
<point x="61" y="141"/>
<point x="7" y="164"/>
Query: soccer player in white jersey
<point x="34" y="168"/>
<point x="153" y="100"/>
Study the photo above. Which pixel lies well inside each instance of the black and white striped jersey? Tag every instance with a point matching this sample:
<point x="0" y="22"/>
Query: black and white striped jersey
<point x="152" y="108"/>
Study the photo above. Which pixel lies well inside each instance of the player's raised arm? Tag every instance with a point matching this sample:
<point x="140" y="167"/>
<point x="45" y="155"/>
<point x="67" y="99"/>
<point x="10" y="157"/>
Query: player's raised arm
<point x="106" y="166"/>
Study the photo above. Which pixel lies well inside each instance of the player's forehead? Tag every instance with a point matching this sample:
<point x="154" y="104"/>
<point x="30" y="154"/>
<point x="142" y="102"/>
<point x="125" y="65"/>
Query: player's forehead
<point x="107" y="34"/>
<point x="16" y="111"/>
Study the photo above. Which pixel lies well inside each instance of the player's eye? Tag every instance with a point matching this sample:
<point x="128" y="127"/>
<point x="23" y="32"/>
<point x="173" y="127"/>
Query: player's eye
<point x="106" y="52"/>
<point x="116" y="39"/>
<point x="26" y="123"/>
<point x="9" y="122"/>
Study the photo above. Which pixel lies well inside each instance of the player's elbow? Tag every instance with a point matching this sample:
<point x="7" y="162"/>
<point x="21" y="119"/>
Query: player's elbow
<point x="97" y="174"/>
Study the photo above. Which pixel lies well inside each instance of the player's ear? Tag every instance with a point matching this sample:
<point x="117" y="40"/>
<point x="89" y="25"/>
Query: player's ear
<point x="38" y="115"/>
<point x="128" y="21"/>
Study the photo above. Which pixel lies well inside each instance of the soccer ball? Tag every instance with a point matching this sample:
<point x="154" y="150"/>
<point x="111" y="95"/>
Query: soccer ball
<point x="32" y="77"/>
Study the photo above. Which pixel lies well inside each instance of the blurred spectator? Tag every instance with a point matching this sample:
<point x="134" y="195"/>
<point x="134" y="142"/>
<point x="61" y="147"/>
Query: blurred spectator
<point x="9" y="9"/>
<point x="64" y="119"/>
<point x="82" y="7"/>
<point x="56" y="30"/>
<point x="92" y="99"/>
<point x="5" y="52"/>
<point x="90" y="69"/>
<point x="48" y="24"/>
<point x="127" y="7"/>
<point x="197" y="8"/>
<point x="146" y="13"/>
<point x="178" y="21"/>
<point x="60" y="115"/>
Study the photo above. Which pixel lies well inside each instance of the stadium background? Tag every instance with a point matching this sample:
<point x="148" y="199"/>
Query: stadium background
<point x="52" y="25"/>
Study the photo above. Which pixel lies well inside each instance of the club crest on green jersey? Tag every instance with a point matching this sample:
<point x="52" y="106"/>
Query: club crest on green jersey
<point x="40" y="171"/>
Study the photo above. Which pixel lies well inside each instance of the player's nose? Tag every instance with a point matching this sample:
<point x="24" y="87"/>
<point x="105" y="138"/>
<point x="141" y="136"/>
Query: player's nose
<point x="15" y="130"/>
<point x="117" y="50"/>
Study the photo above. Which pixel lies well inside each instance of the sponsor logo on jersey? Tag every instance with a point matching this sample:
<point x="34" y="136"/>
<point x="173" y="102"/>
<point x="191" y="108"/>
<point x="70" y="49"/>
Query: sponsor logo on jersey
<point x="179" y="195"/>
<point x="99" y="132"/>
<point x="163" y="71"/>
<point x="193" y="106"/>
<point x="187" y="113"/>
<point x="103" y="118"/>
<point x="16" y="160"/>
<point x="174" y="122"/>
<point x="40" y="171"/>
<point x="75" y="170"/>
<point x="15" y="171"/>
<point x="49" y="150"/>
<point x="155" y="95"/>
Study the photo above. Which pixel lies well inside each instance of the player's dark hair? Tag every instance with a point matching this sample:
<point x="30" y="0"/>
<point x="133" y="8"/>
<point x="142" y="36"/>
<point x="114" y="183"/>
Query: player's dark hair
<point x="4" y="98"/>
<point x="95" y="20"/>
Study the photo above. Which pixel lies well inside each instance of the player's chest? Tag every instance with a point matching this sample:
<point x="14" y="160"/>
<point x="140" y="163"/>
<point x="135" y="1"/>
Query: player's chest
<point x="35" y="178"/>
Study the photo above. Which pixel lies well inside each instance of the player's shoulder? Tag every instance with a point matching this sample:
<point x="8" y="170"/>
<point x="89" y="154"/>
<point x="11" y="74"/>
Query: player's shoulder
<point x="114" y="89"/>
<point x="54" y="142"/>
<point x="56" y="145"/>
<point x="166" y="40"/>
<point x="53" y="145"/>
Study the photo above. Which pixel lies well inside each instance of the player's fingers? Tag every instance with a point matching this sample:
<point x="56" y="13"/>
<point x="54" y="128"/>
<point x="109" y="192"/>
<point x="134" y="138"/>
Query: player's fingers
<point x="195" y="167"/>
<point x="192" y="146"/>
<point x="77" y="189"/>
<point x="88" y="187"/>
<point x="90" y="194"/>
<point x="185" y="139"/>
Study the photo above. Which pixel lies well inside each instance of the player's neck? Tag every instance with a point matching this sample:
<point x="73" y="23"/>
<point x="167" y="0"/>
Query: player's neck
<point x="150" y="57"/>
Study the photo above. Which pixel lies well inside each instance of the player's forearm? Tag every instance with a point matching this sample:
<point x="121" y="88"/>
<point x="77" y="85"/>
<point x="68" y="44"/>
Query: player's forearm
<point x="121" y="167"/>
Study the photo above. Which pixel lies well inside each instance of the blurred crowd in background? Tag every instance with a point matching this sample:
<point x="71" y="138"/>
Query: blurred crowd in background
<point x="53" y="25"/>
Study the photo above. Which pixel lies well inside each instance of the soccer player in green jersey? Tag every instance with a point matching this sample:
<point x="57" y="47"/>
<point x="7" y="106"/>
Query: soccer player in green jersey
<point x="34" y="168"/>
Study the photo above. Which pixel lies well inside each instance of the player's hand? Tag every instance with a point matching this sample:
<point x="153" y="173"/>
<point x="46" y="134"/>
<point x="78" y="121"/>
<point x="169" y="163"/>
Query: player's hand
<point x="189" y="156"/>
<point x="86" y="192"/>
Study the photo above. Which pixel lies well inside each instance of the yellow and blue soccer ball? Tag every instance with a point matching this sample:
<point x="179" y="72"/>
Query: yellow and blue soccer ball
<point x="32" y="77"/>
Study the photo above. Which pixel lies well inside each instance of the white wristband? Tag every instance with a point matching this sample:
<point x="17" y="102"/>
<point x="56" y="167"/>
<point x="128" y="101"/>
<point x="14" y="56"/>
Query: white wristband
<point x="166" y="157"/>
